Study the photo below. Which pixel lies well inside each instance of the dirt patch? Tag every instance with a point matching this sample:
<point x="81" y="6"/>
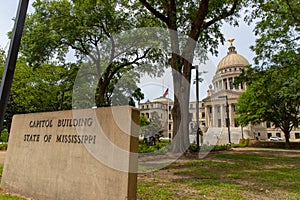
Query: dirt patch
<point x="266" y="152"/>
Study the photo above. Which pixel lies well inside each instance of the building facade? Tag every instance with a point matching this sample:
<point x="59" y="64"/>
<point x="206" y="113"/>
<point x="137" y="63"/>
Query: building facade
<point x="163" y="107"/>
<point x="218" y="108"/>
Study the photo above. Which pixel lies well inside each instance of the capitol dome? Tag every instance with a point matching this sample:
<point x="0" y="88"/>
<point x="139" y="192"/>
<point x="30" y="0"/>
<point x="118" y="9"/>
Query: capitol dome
<point x="233" y="59"/>
<point x="228" y="69"/>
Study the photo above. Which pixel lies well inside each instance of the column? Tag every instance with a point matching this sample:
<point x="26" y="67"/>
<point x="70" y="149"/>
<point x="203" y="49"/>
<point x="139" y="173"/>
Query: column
<point x="222" y="115"/>
<point x="228" y="85"/>
<point x="222" y="85"/>
<point x="231" y="115"/>
<point x="234" y="87"/>
<point x="207" y="121"/>
<point x="213" y="124"/>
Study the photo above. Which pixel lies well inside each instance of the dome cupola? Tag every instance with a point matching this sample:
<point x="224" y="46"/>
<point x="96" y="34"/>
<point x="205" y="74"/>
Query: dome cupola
<point x="233" y="59"/>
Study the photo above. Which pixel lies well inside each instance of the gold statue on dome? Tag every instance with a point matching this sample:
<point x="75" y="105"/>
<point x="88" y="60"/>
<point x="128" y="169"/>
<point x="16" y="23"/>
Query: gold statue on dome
<point x="231" y="41"/>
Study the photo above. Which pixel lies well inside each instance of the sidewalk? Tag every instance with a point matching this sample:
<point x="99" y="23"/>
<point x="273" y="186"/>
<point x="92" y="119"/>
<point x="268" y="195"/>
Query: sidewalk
<point x="274" y="151"/>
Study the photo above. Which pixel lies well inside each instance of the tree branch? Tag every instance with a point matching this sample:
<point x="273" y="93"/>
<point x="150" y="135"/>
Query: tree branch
<point x="109" y="73"/>
<point x="199" y="19"/>
<point x="223" y="15"/>
<point x="129" y="63"/>
<point x="154" y="11"/>
<point x="291" y="11"/>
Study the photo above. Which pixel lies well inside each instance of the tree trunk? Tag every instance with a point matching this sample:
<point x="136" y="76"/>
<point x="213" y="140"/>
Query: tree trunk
<point x="180" y="113"/>
<point x="287" y="139"/>
<point x="100" y="100"/>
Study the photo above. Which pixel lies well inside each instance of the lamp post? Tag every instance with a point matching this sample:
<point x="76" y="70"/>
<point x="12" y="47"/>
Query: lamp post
<point x="197" y="106"/>
<point x="198" y="130"/>
<point x="227" y="117"/>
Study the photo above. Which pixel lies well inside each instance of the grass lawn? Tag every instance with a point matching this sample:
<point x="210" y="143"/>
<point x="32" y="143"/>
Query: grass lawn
<point x="226" y="175"/>
<point x="241" y="174"/>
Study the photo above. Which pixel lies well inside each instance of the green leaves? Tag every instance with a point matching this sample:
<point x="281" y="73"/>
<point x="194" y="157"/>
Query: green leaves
<point x="47" y="88"/>
<point x="278" y="29"/>
<point x="274" y="85"/>
<point x="272" y="95"/>
<point x="95" y="31"/>
<point x="57" y="26"/>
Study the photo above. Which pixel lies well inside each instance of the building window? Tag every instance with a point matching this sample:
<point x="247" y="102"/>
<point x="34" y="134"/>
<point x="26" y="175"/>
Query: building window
<point x="226" y="86"/>
<point x="219" y="109"/>
<point x="268" y="124"/>
<point x="202" y="105"/>
<point x="170" y="126"/>
<point x="210" y="109"/>
<point x="147" y="106"/>
<point x="269" y="135"/>
<point x="191" y="105"/>
<point x="219" y="122"/>
<point x="236" y="86"/>
<point x="230" y="84"/>
<point x="242" y="86"/>
<point x="234" y="107"/>
<point x="258" y="134"/>
<point x="278" y="134"/>
<point x="203" y="114"/>
<point x="297" y="135"/>
<point x="170" y="116"/>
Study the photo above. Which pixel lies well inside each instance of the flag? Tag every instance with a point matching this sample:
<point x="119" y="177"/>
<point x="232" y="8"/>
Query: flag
<point x="166" y="92"/>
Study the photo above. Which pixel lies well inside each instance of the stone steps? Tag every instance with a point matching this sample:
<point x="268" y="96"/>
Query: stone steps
<point x="219" y="136"/>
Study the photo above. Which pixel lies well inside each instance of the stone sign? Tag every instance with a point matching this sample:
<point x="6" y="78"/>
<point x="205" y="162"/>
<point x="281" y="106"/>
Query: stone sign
<point x="79" y="154"/>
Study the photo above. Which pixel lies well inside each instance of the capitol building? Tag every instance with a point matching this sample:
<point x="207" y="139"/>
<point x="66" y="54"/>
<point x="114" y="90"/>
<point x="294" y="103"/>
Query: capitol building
<point x="218" y="108"/>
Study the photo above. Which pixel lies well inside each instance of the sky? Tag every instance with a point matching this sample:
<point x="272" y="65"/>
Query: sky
<point x="8" y="10"/>
<point x="155" y="87"/>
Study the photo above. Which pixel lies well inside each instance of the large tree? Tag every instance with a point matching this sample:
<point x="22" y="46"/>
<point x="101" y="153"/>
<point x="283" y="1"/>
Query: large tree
<point x="277" y="30"/>
<point x="200" y="21"/>
<point x="91" y="29"/>
<point x="46" y="88"/>
<point x="273" y="85"/>
<point x="272" y="95"/>
<point x="154" y="126"/>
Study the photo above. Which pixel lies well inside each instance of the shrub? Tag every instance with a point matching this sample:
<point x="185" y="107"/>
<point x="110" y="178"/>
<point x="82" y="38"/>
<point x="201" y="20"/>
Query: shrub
<point x="4" y="136"/>
<point x="207" y="148"/>
<point x="3" y="146"/>
<point x="159" y="146"/>
<point x="243" y="143"/>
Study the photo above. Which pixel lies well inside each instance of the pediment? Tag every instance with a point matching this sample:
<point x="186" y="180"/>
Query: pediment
<point x="219" y="96"/>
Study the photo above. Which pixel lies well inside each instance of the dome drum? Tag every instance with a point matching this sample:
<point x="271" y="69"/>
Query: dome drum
<point x="232" y="61"/>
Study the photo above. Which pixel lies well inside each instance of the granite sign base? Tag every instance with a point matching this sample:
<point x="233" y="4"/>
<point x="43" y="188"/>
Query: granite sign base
<point x="80" y="154"/>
